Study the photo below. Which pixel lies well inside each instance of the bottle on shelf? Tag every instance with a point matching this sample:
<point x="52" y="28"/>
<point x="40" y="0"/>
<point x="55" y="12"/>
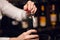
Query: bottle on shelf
<point x="42" y="17"/>
<point x="42" y="21"/>
<point x="53" y="17"/>
<point x="42" y="8"/>
<point x="53" y="7"/>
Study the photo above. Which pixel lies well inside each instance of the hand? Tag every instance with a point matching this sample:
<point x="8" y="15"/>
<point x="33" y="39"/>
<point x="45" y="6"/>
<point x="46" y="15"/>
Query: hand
<point x="30" y="7"/>
<point x="26" y="35"/>
<point x="35" y="39"/>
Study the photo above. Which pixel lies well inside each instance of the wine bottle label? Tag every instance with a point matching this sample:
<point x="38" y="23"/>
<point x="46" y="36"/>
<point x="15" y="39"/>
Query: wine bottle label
<point x="43" y="21"/>
<point x="24" y="24"/>
<point x="35" y="23"/>
<point x="53" y="7"/>
<point x="53" y="17"/>
<point x="42" y="8"/>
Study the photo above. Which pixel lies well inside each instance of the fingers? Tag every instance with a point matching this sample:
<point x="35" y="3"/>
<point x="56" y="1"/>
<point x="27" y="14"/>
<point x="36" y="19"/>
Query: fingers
<point x="30" y="7"/>
<point x="34" y="9"/>
<point x="31" y="31"/>
<point x="31" y="36"/>
<point x="35" y="39"/>
<point x="25" y="7"/>
<point x="27" y="36"/>
<point x="29" y="3"/>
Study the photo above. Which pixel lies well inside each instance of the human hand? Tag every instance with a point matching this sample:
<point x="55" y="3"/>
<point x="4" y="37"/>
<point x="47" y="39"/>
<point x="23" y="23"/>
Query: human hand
<point x="30" y="7"/>
<point x="27" y="35"/>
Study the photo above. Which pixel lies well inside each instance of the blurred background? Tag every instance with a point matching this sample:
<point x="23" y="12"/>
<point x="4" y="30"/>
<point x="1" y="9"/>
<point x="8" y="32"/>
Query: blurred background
<point x="47" y="20"/>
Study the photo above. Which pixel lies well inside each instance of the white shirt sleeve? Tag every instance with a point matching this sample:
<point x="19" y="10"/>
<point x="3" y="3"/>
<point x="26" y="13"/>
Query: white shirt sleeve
<point x="0" y="15"/>
<point x="12" y="11"/>
<point x="4" y="38"/>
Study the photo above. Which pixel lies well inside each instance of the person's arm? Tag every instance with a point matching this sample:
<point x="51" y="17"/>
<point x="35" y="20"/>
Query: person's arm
<point x="24" y="36"/>
<point x="12" y="11"/>
<point x="4" y="38"/>
<point x="0" y="15"/>
<point x="7" y="38"/>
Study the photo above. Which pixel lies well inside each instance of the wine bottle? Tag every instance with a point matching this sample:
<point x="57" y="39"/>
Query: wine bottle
<point x="42" y="17"/>
<point x="35" y="22"/>
<point x="42" y="8"/>
<point x="53" y="7"/>
<point x="53" y="16"/>
<point x="53" y="19"/>
<point x="42" y="20"/>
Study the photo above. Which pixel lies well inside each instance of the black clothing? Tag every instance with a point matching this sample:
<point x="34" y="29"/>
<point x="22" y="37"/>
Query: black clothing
<point x="10" y="30"/>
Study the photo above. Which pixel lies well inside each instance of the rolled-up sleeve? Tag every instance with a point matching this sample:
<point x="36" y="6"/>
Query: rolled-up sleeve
<point x="0" y="15"/>
<point x="4" y="38"/>
<point x="11" y="11"/>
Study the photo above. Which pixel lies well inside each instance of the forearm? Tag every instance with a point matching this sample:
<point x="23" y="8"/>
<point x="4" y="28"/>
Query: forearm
<point x="12" y="11"/>
<point x="13" y="39"/>
<point x="6" y="38"/>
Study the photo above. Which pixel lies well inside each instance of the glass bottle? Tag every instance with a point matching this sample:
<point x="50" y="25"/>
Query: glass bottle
<point x="42" y="21"/>
<point x="53" y="17"/>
